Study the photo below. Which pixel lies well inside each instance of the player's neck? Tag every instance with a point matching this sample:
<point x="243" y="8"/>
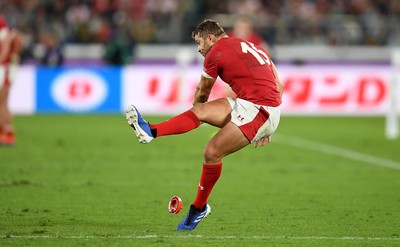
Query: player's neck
<point x="222" y="37"/>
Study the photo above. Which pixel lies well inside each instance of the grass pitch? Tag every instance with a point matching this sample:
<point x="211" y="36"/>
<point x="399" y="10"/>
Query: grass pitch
<point x="85" y="181"/>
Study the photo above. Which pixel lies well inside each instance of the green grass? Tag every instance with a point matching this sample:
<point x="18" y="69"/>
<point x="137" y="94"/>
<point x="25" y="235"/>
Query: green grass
<point x="85" y="181"/>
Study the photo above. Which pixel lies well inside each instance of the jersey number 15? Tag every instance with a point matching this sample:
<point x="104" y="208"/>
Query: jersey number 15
<point x="260" y="55"/>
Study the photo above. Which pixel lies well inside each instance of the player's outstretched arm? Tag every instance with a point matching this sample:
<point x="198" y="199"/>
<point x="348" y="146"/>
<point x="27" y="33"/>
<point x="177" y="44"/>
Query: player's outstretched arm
<point x="203" y="89"/>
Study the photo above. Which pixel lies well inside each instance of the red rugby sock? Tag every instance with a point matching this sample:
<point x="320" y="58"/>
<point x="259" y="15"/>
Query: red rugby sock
<point x="209" y="176"/>
<point x="176" y="125"/>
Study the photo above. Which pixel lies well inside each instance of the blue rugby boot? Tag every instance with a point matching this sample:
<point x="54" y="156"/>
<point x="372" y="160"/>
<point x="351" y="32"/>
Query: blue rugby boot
<point x="193" y="218"/>
<point x="139" y="125"/>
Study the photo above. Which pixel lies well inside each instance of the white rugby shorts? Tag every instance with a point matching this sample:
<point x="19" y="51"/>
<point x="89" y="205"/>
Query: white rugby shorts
<point x="255" y="121"/>
<point x="8" y="74"/>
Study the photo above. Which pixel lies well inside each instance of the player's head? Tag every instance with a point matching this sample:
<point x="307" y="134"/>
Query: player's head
<point x="243" y="27"/>
<point x="206" y="34"/>
<point x="208" y="27"/>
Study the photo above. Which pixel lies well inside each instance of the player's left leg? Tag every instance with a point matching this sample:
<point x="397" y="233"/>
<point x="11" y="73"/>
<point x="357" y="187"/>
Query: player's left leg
<point x="249" y="123"/>
<point x="228" y="140"/>
<point x="6" y="122"/>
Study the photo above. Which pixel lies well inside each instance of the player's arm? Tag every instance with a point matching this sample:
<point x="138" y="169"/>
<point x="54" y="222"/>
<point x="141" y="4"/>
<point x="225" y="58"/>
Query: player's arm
<point x="267" y="139"/>
<point x="17" y="47"/>
<point x="203" y="89"/>
<point x="262" y="141"/>
<point x="5" y="44"/>
<point x="277" y="80"/>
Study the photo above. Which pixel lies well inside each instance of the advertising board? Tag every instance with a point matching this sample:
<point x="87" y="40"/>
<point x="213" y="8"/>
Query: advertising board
<point x="168" y="89"/>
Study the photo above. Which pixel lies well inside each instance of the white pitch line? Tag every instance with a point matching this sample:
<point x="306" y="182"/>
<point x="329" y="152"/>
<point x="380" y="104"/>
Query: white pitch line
<point x="342" y="152"/>
<point x="345" y="238"/>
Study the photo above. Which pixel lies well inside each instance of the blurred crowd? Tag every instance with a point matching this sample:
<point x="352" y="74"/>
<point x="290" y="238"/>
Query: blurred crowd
<point x="124" y="23"/>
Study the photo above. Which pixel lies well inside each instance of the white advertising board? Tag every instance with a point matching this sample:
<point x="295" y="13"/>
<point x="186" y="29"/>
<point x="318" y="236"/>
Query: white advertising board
<point x="22" y="98"/>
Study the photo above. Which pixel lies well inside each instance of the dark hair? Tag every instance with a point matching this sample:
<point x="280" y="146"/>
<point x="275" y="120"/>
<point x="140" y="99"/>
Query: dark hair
<point x="207" y="27"/>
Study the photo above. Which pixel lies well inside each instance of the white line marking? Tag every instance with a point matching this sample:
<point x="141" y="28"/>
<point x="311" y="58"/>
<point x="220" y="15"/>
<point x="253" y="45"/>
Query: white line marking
<point x="328" y="149"/>
<point x="205" y="237"/>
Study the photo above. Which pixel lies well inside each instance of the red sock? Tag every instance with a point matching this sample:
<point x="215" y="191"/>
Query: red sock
<point x="209" y="177"/>
<point x="176" y="125"/>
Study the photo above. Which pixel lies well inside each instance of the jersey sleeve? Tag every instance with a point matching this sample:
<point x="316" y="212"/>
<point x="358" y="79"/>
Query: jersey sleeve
<point x="211" y="64"/>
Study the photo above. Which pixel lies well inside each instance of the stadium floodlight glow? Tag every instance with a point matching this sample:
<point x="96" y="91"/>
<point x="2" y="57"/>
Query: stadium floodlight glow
<point x="392" y="125"/>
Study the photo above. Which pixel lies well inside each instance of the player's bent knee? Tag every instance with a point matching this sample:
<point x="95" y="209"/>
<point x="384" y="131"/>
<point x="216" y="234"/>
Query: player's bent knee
<point x="212" y="155"/>
<point x="198" y="110"/>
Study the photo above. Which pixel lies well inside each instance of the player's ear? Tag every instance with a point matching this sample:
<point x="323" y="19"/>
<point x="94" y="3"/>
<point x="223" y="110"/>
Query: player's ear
<point x="211" y="38"/>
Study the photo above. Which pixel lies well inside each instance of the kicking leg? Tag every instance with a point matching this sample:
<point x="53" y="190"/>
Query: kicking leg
<point x="215" y="112"/>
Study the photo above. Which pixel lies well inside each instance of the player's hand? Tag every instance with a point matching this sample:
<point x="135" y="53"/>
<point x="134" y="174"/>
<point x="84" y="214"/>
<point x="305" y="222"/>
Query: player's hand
<point x="262" y="141"/>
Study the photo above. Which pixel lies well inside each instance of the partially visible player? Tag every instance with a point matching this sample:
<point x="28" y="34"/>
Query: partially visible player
<point x="10" y="49"/>
<point x="243" y="28"/>
<point x="251" y="117"/>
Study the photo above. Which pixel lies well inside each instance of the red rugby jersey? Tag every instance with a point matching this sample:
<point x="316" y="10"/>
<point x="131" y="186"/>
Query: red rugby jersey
<point x="246" y="68"/>
<point x="6" y="31"/>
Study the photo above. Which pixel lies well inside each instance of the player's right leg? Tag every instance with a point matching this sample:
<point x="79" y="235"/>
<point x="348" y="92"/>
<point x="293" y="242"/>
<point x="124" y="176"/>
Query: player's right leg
<point x="146" y="132"/>
<point x="216" y="113"/>
<point x="140" y="126"/>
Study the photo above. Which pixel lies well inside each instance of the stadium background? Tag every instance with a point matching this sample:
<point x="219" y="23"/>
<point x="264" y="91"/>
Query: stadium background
<point x="334" y="56"/>
<point x="77" y="176"/>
